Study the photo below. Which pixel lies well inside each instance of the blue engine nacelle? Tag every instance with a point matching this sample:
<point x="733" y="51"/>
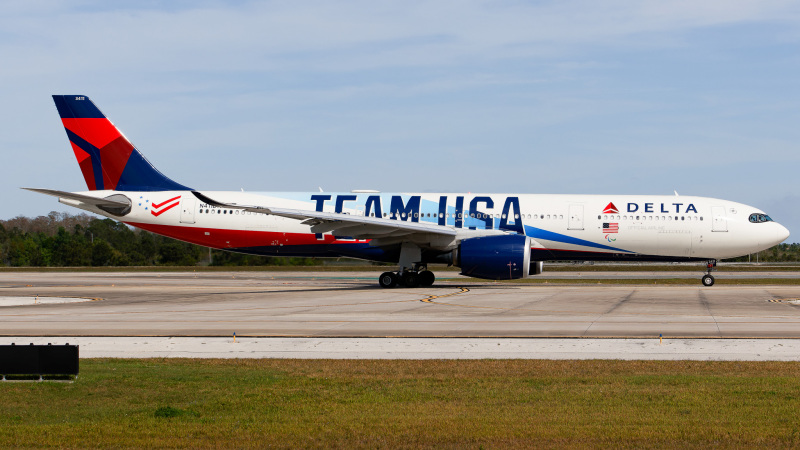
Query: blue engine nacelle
<point x="505" y="257"/>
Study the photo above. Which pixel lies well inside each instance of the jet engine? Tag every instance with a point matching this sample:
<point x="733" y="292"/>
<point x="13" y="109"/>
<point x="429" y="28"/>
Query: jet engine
<point x="504" y="257"/>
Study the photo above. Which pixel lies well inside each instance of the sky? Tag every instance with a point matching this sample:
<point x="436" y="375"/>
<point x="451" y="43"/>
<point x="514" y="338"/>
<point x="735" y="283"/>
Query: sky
<point x="574" y="96"/>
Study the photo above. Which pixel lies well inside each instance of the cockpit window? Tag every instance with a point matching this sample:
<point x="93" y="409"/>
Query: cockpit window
<point x="759" y="218"/>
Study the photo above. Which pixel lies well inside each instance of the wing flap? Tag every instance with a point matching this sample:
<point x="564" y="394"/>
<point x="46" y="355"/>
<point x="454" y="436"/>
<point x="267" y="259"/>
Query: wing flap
<point x="341" y="224"/>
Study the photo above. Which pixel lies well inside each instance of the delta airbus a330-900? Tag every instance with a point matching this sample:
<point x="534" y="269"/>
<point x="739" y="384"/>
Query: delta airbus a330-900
<point x="489" y="236"/>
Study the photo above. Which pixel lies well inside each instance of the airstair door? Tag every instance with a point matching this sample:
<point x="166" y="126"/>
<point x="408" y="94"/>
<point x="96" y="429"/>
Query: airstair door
<point x="575" y="217"/>
<point x="188" y="203"/>
<point x="718" y="220"/>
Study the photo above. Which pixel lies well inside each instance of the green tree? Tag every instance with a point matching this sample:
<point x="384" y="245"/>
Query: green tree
<point x="102" y="253"/>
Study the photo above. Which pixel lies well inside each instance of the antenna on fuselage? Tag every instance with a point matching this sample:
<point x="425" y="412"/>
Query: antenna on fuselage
<point x="676" y="193"/>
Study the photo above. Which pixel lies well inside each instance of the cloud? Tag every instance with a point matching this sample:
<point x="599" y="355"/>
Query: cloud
<point x="350" y="36"/>
<point x="574" y="96"/>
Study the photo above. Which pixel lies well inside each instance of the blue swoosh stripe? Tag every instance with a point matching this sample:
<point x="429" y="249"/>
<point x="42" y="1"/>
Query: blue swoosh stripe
<point x="538" y="233"/>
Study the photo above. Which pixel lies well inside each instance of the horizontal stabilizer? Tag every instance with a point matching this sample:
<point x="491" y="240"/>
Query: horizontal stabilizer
<point x="108" y="203"/>
<point x="116" y="204"/>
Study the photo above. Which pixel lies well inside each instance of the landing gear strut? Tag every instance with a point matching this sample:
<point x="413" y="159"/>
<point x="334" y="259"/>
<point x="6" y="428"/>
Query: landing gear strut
<point x="420" y="276"/>
<point x="708" y="280"/>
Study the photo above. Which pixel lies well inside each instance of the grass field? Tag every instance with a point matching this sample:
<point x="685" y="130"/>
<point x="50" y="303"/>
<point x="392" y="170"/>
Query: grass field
<point x="391" y="404"/>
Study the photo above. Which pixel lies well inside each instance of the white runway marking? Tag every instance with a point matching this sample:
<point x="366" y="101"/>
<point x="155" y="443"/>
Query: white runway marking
<point x="426" y="348"/>
<point x="35" y="300"/>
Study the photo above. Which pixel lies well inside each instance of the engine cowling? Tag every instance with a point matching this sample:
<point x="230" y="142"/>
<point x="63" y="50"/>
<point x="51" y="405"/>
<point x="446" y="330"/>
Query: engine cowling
<point x="505" y="257"/>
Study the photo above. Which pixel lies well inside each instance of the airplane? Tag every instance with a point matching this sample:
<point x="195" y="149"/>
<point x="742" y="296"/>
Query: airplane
<point x="488" y="236"/>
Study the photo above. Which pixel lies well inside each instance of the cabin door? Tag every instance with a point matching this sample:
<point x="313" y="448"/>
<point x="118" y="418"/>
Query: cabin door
<point x="575" y="217"/>
<point x="718" y="220"/>
<point x="188" y="203"/>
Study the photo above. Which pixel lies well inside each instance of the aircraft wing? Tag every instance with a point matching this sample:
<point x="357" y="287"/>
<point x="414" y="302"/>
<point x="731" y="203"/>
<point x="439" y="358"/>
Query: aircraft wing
<point x="95" y="201"/>
<point x="357" y="227"/>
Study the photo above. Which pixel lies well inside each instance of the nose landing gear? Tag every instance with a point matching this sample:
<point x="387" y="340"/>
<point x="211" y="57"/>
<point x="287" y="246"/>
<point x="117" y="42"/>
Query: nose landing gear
<point x="708" y="280"/>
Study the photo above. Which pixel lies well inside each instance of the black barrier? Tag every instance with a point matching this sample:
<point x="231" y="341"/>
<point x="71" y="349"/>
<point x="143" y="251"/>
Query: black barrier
<point x="38" y="360"/>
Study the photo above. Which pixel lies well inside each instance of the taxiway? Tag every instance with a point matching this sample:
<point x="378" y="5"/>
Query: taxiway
<point x="342" y="304"/>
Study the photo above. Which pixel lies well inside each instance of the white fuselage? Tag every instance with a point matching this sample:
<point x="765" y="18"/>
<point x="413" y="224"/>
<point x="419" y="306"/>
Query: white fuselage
<point x="560" y="226"/>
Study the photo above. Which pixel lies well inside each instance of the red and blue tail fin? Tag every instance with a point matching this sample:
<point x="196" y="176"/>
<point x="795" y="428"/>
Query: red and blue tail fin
<point x="106" y="157"/>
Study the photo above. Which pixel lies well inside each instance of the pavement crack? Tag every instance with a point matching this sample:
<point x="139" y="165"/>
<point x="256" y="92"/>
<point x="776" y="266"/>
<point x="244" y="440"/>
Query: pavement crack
<point x="620" y="303"/>
<point x="609" y="311"/>
<point x="704" y="302"/>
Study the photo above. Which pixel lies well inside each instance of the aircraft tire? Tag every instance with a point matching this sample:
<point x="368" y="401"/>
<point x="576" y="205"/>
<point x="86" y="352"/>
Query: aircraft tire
<point x="411" y="279"/>
<point x="708" y="280"/>
<point x="387" y="280"/>
<point x="426" y="278"/>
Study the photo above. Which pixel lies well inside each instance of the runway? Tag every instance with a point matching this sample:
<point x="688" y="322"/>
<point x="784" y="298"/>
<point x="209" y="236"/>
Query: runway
<point x="345" y="304"/>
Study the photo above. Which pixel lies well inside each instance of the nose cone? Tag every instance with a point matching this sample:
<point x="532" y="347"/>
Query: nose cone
<point x="781" y="233"/>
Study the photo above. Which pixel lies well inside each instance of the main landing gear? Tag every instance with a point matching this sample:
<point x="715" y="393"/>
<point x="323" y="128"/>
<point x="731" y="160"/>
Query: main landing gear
<point x="412" y="272"/>
<point x="708" y="280"/>
<point x="420" y="276"/>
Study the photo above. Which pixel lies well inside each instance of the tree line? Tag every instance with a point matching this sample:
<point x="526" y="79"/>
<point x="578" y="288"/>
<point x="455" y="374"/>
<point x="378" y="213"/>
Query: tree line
<point x="66" y="240"/>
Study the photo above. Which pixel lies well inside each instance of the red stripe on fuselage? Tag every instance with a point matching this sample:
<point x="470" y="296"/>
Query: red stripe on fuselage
<point x="222" y="238"/>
